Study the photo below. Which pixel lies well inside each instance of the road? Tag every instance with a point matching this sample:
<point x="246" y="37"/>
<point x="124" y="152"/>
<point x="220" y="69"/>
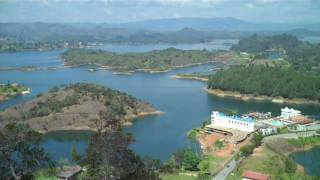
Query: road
<point x="223" y="174"/>
<point x="294" y="135"/>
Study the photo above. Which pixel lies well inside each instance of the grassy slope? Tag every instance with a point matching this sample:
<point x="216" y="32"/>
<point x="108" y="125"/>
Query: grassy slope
<point x="267" y="161"/>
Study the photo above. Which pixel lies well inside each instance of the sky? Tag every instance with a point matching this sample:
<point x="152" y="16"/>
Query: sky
<point x="119" y="11"/>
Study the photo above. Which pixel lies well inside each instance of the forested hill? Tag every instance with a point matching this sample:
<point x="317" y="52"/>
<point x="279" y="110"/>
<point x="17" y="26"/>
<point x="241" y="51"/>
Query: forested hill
<point x="158" y="60"/>
<point x="301" y="55"/>
<point x="268" y="81"/>
<point x="76" y="107"/>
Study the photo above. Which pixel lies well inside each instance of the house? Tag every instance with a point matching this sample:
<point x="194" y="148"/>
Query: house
<point x="251" y="175"/>
<point x="69" y="173"/>
<point x="288" y="113"/>
<point x="268" y="130"/>
<point x="243" y="123"/>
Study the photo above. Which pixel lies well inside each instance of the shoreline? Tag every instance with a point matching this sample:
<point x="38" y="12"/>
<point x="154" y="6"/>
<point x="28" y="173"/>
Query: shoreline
<point x="252" y="97"/>
<point x="124" y="122"/>
<point x="190" y="78"/>
<point x="131" y="72"/>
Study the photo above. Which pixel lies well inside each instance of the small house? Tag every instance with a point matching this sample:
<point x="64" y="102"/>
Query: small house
<point x="251" y="175"/>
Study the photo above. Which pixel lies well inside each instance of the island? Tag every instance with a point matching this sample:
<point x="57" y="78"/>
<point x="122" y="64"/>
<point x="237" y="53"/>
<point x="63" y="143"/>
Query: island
<point x="79" y="106"/>
<point x="10" y="90"/>
<point x="154" y="61"/>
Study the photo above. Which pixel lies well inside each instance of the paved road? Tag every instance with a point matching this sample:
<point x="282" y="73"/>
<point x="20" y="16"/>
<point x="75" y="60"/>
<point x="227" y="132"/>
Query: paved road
<point x="223" y="174"/>
<point x="294" y="135"/>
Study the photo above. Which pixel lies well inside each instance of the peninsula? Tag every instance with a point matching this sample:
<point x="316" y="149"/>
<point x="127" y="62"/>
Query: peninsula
<point x="154" y="61"/>
<point x="263" y="83"/>
<point x="77" y="107"/>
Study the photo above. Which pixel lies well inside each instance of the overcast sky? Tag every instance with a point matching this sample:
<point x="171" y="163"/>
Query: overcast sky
<point x="116" y="11"/>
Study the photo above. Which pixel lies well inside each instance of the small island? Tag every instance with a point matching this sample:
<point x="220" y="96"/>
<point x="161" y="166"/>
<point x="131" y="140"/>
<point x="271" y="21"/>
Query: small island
<point x="77" y="107"/>
<point x="11" y="90"/>
<point x="153" y="62"/>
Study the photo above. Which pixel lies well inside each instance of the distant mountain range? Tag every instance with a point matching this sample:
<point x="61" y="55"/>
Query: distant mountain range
<point x="212" y="24"/>
<point x="180" y="30"/>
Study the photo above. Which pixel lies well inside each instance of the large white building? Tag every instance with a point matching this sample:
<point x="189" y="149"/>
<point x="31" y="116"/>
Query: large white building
<point x="287" y="113"/>
<point x="233" y="122"/>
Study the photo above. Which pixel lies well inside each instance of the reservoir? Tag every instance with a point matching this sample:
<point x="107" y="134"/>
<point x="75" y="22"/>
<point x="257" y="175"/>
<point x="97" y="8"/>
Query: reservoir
<point x="185" y="103"/>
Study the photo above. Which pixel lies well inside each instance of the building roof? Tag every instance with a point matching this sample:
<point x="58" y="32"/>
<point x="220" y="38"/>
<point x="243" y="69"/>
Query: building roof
<point x="255" y="175"/>
<point x="69" y="171"/>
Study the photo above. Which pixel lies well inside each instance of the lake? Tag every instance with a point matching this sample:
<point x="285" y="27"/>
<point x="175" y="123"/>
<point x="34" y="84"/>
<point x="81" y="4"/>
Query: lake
<point x="310" y="159"/>
<point x="185" y="103"/>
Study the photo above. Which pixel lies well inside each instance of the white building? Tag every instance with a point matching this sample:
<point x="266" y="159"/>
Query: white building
<point x="233" y="122"/>
<point x="287" y="113"/>
<point x="268" y="131"/>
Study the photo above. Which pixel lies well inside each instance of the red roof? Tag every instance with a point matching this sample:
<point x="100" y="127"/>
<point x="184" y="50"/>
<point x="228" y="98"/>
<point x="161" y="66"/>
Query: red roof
<point x="255" y="175"/>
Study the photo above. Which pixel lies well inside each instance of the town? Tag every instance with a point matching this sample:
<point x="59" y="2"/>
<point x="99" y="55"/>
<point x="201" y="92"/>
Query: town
<point x="235" y="132"/>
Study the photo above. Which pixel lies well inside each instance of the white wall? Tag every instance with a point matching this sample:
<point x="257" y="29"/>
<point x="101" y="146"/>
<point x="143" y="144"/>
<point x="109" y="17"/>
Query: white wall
<point x="228" y="122"/>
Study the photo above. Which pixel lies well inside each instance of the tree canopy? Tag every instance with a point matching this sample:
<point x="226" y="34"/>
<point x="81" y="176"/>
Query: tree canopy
<point x="269" y="81"/>
<point x="20" y="152"/>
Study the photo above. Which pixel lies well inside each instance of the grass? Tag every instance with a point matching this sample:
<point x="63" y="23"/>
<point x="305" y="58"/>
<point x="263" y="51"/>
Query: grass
<point x="212" y="164"/>
<point x="265" y="161"/>
<point x="303" y="141"/>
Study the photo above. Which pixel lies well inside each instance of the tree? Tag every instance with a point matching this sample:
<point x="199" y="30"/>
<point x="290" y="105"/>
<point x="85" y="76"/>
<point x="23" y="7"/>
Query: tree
<point x="74" y="154"/>
<point x="257" y="139"/>
<point x="219" y="144"/>
<point x="246" y="150"/>
<point x="108" y="155"/>
<point x="190" y="160"/>
<point x="20" y="152"/>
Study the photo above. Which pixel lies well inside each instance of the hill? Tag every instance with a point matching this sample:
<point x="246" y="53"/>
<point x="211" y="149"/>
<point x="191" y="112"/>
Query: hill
<point x="77" y="107"/>
<point x="154" y="61"/>
<point x="270" y="82"/>
<point x="303" y="56"/>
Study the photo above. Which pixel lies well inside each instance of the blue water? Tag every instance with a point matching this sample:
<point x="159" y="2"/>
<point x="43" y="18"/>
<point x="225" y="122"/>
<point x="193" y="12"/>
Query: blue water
<point x="123" y="48"/>
<point x="184" y="102"/>
<point x="310" y="160"/>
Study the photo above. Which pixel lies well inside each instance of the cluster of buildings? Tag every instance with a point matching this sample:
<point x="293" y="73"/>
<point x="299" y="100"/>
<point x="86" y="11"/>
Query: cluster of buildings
<point x="263" y="122"/>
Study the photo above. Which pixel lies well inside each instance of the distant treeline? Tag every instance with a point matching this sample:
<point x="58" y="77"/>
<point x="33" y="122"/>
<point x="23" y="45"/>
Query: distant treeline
<point x="269" y="81"/>
<point x="158" y="60"/>
<point x="13" y="45"/>
<point x="303" y="56"/>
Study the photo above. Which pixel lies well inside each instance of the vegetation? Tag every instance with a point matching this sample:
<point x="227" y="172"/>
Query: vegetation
<point x="10" y="90"/>
<point x="77" y="106"/>
<point x="193" y="134"/>
<point x="20" y="152"/>
<point x="270" y="162"/>
<point x="13" y="45"/>
<point x="158" y="60"/>
<point x="268" y="81"/>
<point x="303" y="56"/>
<point x="305" y="141"/>
<point x="255" y="142"/>
<point x="108" y="156"/>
